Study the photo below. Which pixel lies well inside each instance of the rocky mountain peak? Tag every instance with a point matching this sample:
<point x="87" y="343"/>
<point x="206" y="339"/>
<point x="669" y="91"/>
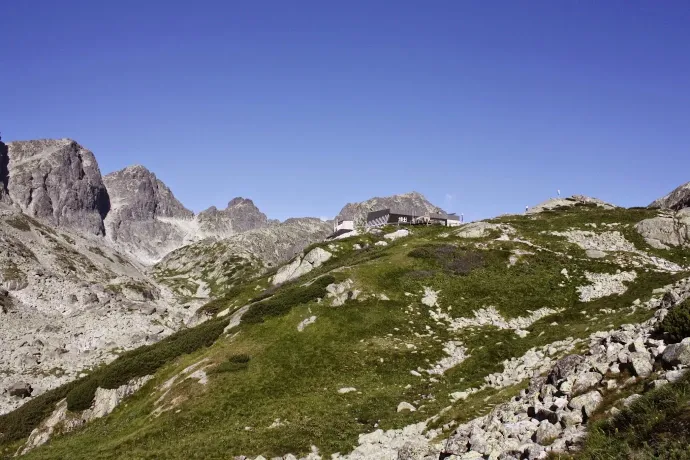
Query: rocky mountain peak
<point x="413" y="202"/>
<point x="137" y="193"/>
<point x="240" y="215"/>
<point x="678" y="199"/>
<point x="57" y="180"/>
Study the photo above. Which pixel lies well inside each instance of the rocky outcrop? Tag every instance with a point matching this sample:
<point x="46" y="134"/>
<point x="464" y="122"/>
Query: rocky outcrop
<point x="240" y="215"/>
<point x="664" y="231"/>
<point x="58" y="181"/>
<point x="301" y="265"/>
<point x="678" y="199"/>
<point x="575" y="200"/>
<point x="413" y="202"/>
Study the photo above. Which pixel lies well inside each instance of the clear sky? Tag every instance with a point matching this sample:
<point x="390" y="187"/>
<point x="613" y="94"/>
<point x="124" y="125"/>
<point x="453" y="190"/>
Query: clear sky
<point x="483" y="106"/>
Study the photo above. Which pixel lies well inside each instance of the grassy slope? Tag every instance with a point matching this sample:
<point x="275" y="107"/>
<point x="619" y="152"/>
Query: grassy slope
<point x="295" y="375"/>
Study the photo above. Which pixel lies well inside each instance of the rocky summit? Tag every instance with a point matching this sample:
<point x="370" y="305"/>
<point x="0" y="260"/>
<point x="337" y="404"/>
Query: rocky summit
<point x="59" y="181"/>
<point x="133" y="328"/>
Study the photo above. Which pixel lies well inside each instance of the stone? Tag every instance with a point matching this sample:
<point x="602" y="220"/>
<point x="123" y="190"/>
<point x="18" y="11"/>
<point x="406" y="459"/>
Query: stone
<point x="586" y="380"/>
<point x="571" y="418"/>
<point x="675" y="375"/>
<point x="345" y="390"/>
<point x="20" y="389"/>
<point x="564" y="367"/>
<point x="406" y="406"/>
<point x="546" y="432"/>
<point x="397" y="234"/>
<point x="587" y="402"/>
<point x="301" y="265"/>
<point x="677" y="353"/>
<point x="595" y="254"/>
<point x="627" y="402"/>
<point x="641" y="364"/>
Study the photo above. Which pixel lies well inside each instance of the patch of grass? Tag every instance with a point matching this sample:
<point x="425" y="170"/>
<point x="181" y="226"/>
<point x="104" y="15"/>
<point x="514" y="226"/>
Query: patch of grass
<point x="657" y="425"/>
<point x="451" y="258"/>
<point x="676" y="324"/>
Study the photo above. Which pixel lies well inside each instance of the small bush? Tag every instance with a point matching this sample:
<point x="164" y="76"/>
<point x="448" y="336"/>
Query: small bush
<point x="233" y="364"/>
<point x="81" y="396"/>
<point x="283" y="301"/>
<point x="677" y="322"/>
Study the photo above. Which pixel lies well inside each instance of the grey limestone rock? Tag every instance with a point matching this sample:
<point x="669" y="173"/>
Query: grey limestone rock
<point x="58" y="181"/>
<point x="677" y="353"/>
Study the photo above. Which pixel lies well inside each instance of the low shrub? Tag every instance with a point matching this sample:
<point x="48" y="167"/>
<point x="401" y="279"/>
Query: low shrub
<point x="676" y="324"/>
<point x="81" y="396"/>
<point x="283" y="301"/>
<point x="233" y="364"/>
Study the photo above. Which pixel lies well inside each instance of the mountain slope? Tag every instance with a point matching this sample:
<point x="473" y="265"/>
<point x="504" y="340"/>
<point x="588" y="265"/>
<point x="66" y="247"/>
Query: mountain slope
<point x="211" y="267"/>
<point x="449" y="323"/>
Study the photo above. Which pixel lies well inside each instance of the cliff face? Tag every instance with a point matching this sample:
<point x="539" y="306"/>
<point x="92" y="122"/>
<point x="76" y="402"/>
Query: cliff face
<point x="58" y="181"/>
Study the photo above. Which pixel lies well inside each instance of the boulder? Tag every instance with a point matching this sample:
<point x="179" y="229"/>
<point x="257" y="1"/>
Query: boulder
<point x="20" y="389"/>
<point x="664" y="231"/>
<point x="301" y="265"/>
<point x="586" y="380"/>
<point x="546" y="432"/>
<point x="406" y="406"/>
<point x="677" y="353"/>
<point x="564" y="368"/>
<point x="595" y="254"/>
<point x="397" y="234"/>
<point x="587" y="402"/>
<point x="641" y="364"/>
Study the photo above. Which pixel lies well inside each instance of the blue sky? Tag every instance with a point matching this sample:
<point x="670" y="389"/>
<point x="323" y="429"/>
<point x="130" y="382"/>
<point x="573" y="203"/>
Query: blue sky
<point x="484" y="107"/>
